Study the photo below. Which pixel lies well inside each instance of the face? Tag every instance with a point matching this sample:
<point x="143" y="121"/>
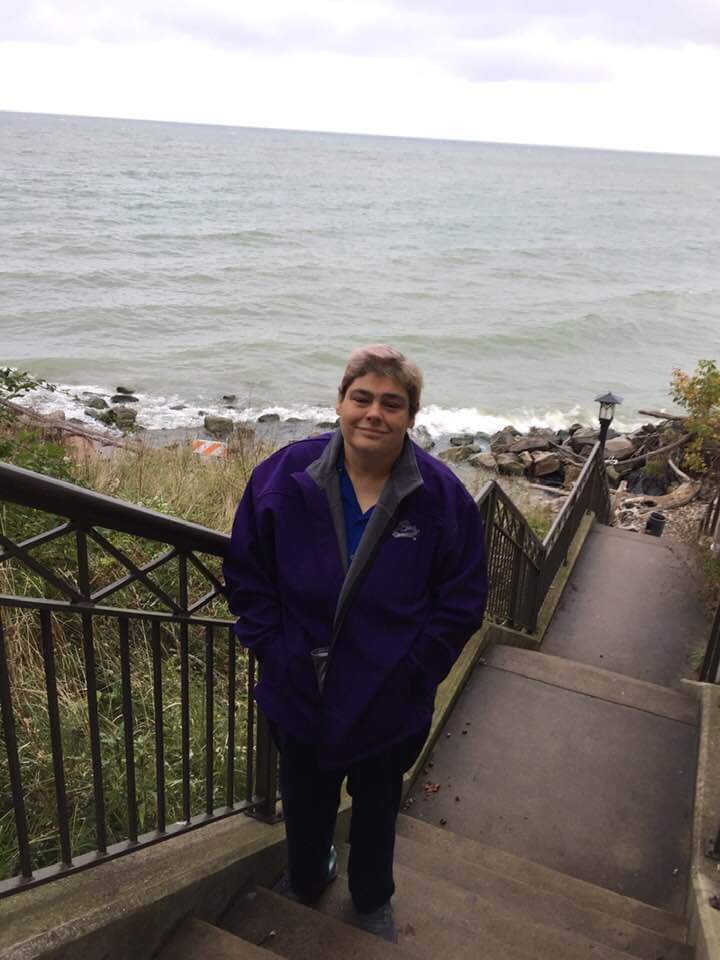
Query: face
<point x="375" y="415"/>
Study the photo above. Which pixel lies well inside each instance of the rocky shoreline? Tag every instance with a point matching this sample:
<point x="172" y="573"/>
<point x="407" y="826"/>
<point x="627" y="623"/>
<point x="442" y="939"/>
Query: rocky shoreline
<point x="544" y="462"/>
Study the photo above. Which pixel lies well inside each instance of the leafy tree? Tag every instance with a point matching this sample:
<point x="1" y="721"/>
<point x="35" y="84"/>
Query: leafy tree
<point x="14" y="382"/>
<point x="699" y="393"/>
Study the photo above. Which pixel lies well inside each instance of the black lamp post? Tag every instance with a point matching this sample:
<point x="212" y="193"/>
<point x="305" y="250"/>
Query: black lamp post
<point x="608" y="401"/>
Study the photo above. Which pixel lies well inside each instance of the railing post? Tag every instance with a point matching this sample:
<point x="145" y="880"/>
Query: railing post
<point x="516" y="593"/>
<point x="489" y="520"/>
<point x="533" y="593"/>
<point x="266" y="776"/>
<point x="711" y="660"/>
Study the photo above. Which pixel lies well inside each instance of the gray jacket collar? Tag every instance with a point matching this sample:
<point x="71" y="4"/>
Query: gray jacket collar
<point x="404" y="479"/>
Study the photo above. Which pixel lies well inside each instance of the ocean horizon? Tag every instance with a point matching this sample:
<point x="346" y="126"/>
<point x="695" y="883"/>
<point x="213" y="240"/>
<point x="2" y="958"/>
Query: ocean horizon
<point x="191" y="261"/>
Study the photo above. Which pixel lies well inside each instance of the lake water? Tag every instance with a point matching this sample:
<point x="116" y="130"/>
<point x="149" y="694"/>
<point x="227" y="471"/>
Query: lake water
<point x="193" y="261"/>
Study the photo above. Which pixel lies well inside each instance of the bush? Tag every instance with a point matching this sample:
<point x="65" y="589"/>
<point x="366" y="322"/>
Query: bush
<point x="699" y="393"/>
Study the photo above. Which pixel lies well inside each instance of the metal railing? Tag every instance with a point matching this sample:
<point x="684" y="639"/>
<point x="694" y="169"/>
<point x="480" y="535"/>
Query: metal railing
<point x="710" y="669"/>
<point x="521" y="566"/>
<point x="165" y="638"/>
<point x="514" y="558"/>
<point x="85" y="642"/>
<point x="711" y="517"/>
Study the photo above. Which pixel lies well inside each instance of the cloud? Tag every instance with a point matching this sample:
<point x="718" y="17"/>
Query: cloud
<point x="632" y="22"/>
<point x="374" y="27"/>
<point x="493" y="66"/>
<point x="461" y="43"/>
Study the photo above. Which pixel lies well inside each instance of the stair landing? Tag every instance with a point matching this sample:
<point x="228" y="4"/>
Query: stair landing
<point x="630" y="606"/>
<point x="580" y="770"/>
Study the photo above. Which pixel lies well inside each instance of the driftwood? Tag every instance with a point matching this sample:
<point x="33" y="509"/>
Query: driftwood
<point x="69" y="428"/>
<point x="639" y="461"/>
<point x="678" y="472"/>
<point x="678" y="498"/>
<point x="620" y="492"/>
<point x="659" y="415"/>
<point x="568" y="453"/>
<point x="553" y="491"/>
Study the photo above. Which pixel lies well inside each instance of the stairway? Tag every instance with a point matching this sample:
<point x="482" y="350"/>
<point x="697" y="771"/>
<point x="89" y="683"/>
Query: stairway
<point x="457" y="898"/>
<point x="552" y="821"/>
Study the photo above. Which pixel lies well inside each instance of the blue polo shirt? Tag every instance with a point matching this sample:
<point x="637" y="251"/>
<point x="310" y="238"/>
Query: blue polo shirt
<point x="355" y="519"/>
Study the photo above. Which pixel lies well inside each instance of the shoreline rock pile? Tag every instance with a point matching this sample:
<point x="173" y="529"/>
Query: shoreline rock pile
<point x="555" y="458"/>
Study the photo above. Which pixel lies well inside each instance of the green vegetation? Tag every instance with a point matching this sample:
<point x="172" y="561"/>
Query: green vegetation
<point x="655" y="468"/>
<point x="172" y="481"/>
<point x="699" y="393"/>
<point x="539" y="521"/>
<point x="14" y="383"/>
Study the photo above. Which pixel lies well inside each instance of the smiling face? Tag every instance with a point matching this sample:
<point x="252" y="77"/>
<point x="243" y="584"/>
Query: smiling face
<point x="374" y="417"/>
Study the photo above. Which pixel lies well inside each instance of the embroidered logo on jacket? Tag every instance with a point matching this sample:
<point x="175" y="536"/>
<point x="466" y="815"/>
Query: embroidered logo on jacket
<point x="405" y="531"/>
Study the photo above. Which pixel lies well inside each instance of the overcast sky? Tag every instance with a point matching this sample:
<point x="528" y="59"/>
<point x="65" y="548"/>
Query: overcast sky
<point x="624" y="74"/>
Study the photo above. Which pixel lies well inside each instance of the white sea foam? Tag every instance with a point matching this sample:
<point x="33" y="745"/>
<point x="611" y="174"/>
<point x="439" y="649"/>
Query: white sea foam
<point x="157" y="413"/>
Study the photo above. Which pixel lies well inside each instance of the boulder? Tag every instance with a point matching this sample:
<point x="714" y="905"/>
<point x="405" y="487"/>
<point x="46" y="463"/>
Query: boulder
<point x="545" y="463"/>
<point x="125" y="417"/>
<point x="328" y="424"/>
<point x="483" y="461"/>
<point x="124" y="398"/>
<point x="178" y="406"/>
<point x="94" y="414"/>
<point x="502" y="441"/>
<point x="421" y="436"/>
<point x="93" y="402"/>
<point x="128" y="391"/>
<point x="229" y="397"/>
<point x="572" y="472"/>
<point x="243" y="431"/>
<point x="584" y="437"/>
<point x="620" y="448"/>
<point x="268" y="418"/>
<point x="483" y="437"/>
<point x="456" y="454"/>
<point x="510" y="464"/>
<point x="461" y="439"/>
<point x="537" y="442"/>
<point x="218" y="426"/>
<point x="526" y="459"/>
<point x="574" y="427"/>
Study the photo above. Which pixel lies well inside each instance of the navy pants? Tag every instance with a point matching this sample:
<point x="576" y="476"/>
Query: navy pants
<point x="311" y="797"/>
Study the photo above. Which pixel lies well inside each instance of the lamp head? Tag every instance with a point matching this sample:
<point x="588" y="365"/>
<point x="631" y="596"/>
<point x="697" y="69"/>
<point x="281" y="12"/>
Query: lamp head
<point x="608" y="401"/>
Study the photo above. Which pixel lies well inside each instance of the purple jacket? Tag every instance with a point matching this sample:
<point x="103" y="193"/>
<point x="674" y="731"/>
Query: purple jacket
<point x="396" y="621"/>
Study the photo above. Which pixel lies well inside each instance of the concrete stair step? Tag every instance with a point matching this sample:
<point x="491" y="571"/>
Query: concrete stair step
<point x="535" y="904"/>
<point x="436" y="917"/>
<point x="595" y="682"/>
<point x="197" y="940"/>
<point x="296" y="932"/>
<point x="584" y="894"/>
<point x="617" y="533"/>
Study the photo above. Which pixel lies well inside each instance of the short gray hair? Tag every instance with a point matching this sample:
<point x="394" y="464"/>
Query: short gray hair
<point x="384" y="361"/>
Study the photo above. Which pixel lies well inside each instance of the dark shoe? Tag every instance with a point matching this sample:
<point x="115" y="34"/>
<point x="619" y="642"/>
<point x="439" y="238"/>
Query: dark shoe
<point x="284" y="888"/>
<point x="380" y="922"/>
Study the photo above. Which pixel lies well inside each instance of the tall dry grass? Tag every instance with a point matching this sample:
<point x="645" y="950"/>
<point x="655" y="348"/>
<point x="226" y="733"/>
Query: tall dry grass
<point x="173" y="481"/>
